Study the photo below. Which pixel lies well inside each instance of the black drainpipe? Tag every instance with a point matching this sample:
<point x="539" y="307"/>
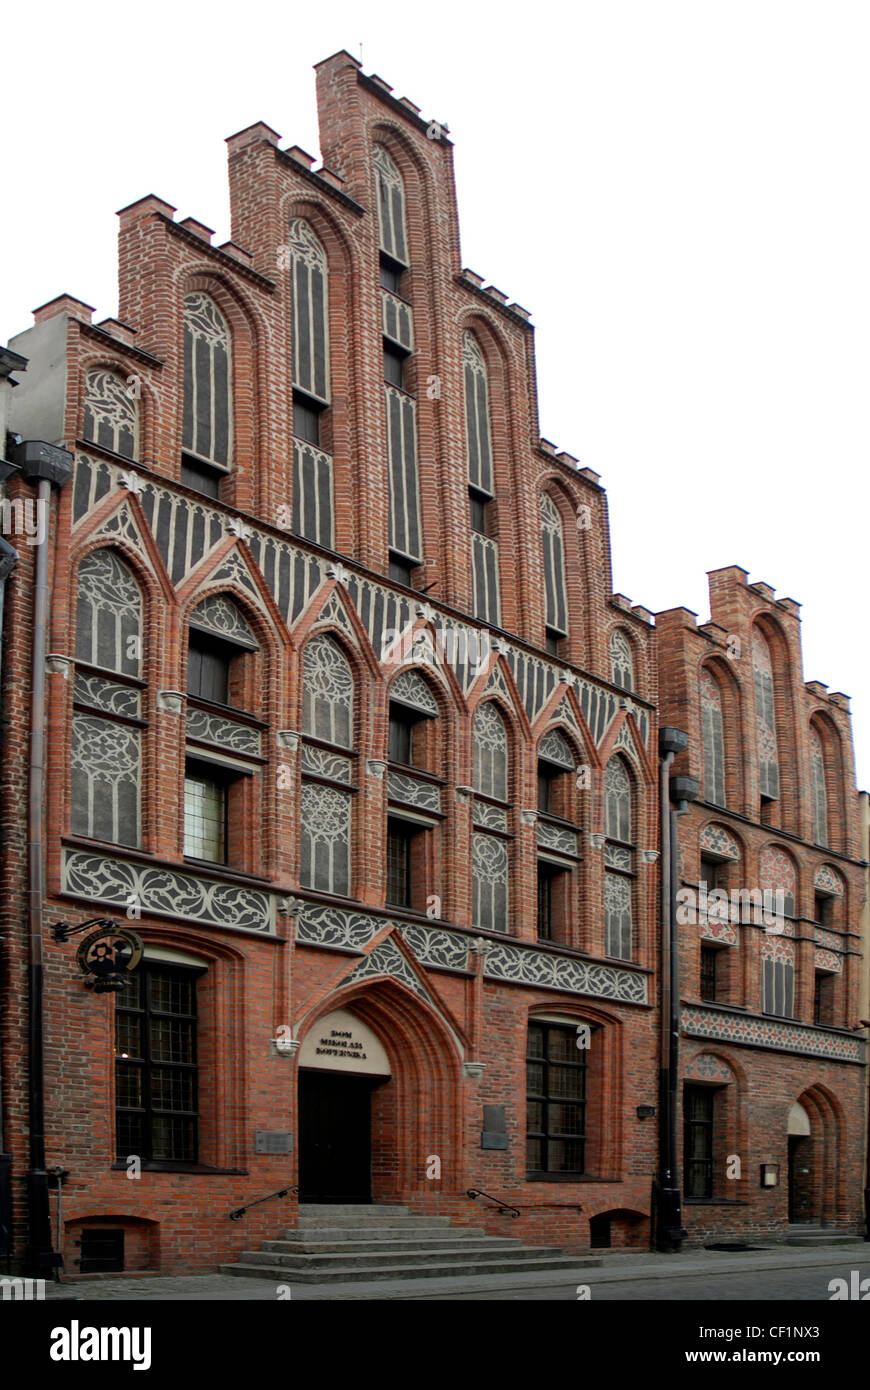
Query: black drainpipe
<point x="44" y="464"/>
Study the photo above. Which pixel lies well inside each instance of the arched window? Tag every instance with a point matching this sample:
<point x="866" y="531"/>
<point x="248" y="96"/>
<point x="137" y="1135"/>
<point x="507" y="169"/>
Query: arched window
<point x="820" y="791"/>
<point x="713" y="739"/>
<point x="327" y="688"/>
<point x="490" y="753"/>
<point x="207" y="434"/>
<point x="621" y="665"/>
<point x="777" y="875"/>
<point x="310" y="311"/>
<point x="105" y="755"/>
<point x="489" y="847"/>
<point x="555" y="593"/>
<point x="328" y="716"/>
<point x="413" y="827"/>
<point x="313" y="501"/>
<point x="618" y="860"/>
<point x="557" y="842"/>
<point x="110" y="417"/>
<point x="765" y="716"/>
<point x="478" y="435"/>
<point x="391" y="206"/>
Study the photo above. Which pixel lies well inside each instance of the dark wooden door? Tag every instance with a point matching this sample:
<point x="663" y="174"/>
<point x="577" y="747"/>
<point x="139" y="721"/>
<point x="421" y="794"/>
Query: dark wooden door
<point x="334" y="1137"/>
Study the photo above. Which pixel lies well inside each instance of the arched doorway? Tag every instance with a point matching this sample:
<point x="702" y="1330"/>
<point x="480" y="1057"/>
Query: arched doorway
<point x="800" y="1165"/>
<point x="379" y="1097"/>
<point x="816" y="1135"/>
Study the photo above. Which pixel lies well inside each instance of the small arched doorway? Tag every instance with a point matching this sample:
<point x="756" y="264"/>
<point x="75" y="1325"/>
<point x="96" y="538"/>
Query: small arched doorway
<point x="800" y="1166"/>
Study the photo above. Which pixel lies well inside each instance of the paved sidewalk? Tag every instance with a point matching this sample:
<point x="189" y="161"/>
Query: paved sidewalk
<point x="605" y="1267"/>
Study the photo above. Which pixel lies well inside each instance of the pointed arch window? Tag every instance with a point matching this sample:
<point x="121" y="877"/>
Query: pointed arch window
<point x="765" y="716"/>
<point x="621" y="663"/>
<point x="105" y="752"/>
<point x="391" y="206"/>
<point x="555" y="593"/>
<point x="313" y="500"/>
<point x="557" y="841"/>
<point x="820" y="791"/>
<point x="327" y="770"/>
<point x="478" y="435"/>
<point x="713" y="739"/>
<point x="208" y="416"/>
<point x="110" y="414"/>
<point x="618" y="860"/>
<point x="490" y="859"/>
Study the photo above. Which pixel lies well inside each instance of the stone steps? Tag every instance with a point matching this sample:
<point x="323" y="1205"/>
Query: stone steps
<point x="819" y="1235"/>
<point x="355" y="1244"/>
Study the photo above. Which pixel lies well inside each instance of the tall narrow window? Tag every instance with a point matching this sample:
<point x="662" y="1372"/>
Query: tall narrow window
<point x="490" y="841"/>
<point x="555" y="594"/>
<point x="765" y="717"/>
<point x="556" y="1092"/>
<point x="698" y="1104"/>
<point x="110" y="417"/>
<point x="105" y="754"/>
<point x="328" y="712"/>
<point x="391" y="206"/>
<point x="714" y="743"/>
<point x="156" y="1065"/>
<point x="557" y="839"/>
<point x="207" y="428"/>
<point x="820" y="792"/>
<point x="618" y="860"/>
<point x="313" y="502"/>
<point x="478" y="434"/>
<point x="777" y="977"/>
<point x="621" y="665"/>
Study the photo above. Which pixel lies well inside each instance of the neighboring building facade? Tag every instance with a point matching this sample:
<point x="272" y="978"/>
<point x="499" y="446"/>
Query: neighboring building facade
<point x="346" y="723"/>
<point x="772" y="966"/>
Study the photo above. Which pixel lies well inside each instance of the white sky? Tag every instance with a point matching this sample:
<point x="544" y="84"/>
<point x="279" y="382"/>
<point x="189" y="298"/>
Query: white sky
<point x="678" y="191"/>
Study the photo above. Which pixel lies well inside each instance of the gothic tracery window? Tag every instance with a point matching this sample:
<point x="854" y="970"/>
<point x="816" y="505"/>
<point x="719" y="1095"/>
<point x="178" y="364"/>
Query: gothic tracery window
<point x="819" y="789"/>
<point x="713" y="739"/>
<point x="110" y="414"/>
<point x="621" y="664"/>
<point x="490" y="859"/>
<point x="618" y="860"/>
<point x="326" y="813"/>
<point x="105" y="753"/>
<point x="484" y="549"/>
<point x="765" y="716"/>
<point x="208" y="416"/>
<point x="555" y="595"/>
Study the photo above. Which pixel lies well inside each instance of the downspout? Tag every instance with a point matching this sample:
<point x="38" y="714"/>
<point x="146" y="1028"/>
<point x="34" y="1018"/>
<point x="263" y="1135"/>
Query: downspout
<point x="45" y="464"/>
<point x="669" y="1227"/>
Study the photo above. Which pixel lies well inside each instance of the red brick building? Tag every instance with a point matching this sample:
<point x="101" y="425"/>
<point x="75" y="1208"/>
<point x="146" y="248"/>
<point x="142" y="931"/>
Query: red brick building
<point x="344" y="720"/>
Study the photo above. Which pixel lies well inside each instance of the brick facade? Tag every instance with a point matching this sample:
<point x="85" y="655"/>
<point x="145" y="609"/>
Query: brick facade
<point x="448" y="997"/>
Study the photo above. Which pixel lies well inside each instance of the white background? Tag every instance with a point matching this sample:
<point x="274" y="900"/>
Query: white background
<point x="678" y="191"/>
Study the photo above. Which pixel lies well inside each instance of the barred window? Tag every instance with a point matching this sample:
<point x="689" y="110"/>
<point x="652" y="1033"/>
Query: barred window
<point x="713" y="738"/>
<point x="765" y="715"/>
<point x="621" y="665"/>
<point x="820" y="791"/>
<point x="156" y="1065"/>
<point x="105" y="750"/>
<point x="313" y="507"/>
<point x="555" y="594"/>
<point x="490" y="753"/>
<point x="110" y="414"/>
<point x="484" y="557"/>
<point x="391" y="206"/>
<point x="310" y="311"/>
<point x="208" y="417"/>
<point x="618" y="861"/>
<point x="327" y="689"/>
<point x="698" y="1106"/>
<point x="556" y="1090"/>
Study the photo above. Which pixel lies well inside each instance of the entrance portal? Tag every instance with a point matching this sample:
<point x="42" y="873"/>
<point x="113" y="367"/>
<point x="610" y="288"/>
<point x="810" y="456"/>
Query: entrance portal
<point x="341" y="1062"/>
<point x="335" y="1163"/>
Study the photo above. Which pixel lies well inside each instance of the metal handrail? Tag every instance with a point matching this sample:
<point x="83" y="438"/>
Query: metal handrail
<point x="240" y="1211"/>
<point x="502" y="1206"/>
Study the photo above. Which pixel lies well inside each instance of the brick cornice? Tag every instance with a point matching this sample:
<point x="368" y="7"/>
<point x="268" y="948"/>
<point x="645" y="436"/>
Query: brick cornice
<point x="222" y="257"/>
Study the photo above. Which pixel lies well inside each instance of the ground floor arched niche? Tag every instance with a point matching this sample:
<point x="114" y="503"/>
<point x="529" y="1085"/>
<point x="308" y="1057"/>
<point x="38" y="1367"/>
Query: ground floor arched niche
<point x="816" y="1183"/>
<point x="620" y="1228"/>
<point x="385" y="1134"/>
